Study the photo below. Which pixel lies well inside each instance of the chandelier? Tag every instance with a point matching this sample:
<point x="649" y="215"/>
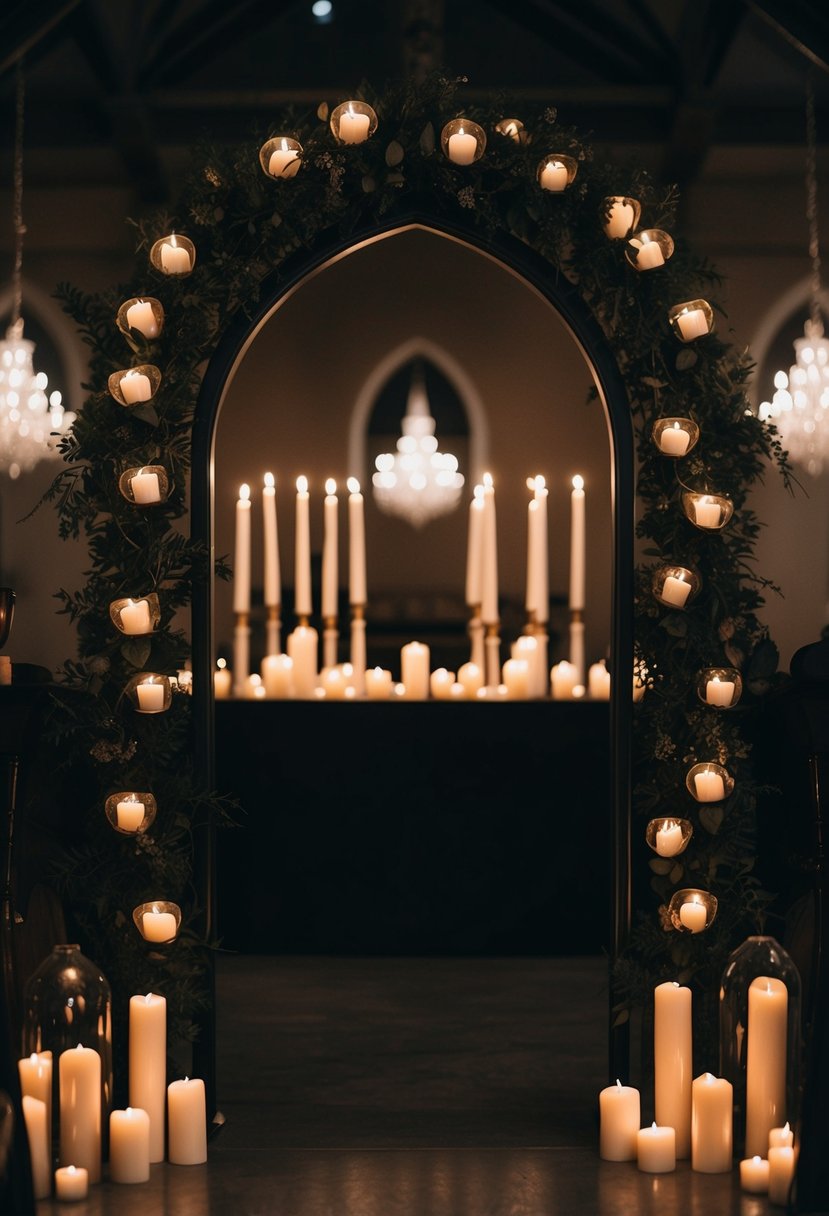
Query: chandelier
<point x="417" y="482"/>
<point x="799" y="407"/>
<point x="30" y="421"/>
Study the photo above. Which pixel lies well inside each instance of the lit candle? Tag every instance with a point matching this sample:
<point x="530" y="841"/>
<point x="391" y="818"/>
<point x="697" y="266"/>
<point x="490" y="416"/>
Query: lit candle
<point x="619" y="1119"/>
<point x="135" y="387"/>
<point x="278" y="676"/>
<point x="719" y="692"/>
<point x="673" y="440"/>
<point x="554" y="176"/>
<point x="330" y="563"/>
<point x="474" y="548"/>
<point x="241" y="571"/>
<point x="135" y="617"/>
<point x="187" y="1114"/>
<point x="302" y="651"/>
<point x="527" y="648"/>
<point x="38" y="1134"/>
<point x="356" y="544"/>
<point x="145" y="488"/>
<point x="129" y="1145"/>
<point x="353" y="128"/>
<point x="35" y="1073"/>
<point x="71" y="1183"/>
<point x="563" y="680"/>
<point x="334" y="683"/>
<point x="414" y="670"/>
<point x="598" y="681"/>
<point x="577" y="544"/>
<point x="711" y="1124"/>
<point x="537" y="599"/>
<point x="273" y="590"/>
<point x="515" y="676"/>
<point x="781" y="1175"/>
<point x="668" y="838"/>
<point x="620" y="219"/>
<point x="158" y="926"/>
<point x="148" y="1061"/>
<point x="673" y="1061"/>
<point x="709" y="786"/>
<point x="692" y="324"/>
<point x="754" y="1175"/>
<point x="140" y="316"/>
<point x="767" y="1029"/>
<point x="781" y="1137"/>
<point x="471" y="677"/>
<point x="284" y="161"/>
<point x="489" y="587"/>
<point x="462" y="147"/>
<point x="458" y="693"/>
<point x="129" y="814"/>
<point x="656" y="1149"/>
<point x="440" y="684"/>
<point x="707" y="512"/>
<point x="79" y="1071"/>
<point x="222" y="680"/>
<point x="649" y="254"/>
<point x="175" y="259"/>
<point x="378" y="684"/>
<point x="150" y="697"/>
<point x="694" y="915"/>
<point x="675" y="591"/>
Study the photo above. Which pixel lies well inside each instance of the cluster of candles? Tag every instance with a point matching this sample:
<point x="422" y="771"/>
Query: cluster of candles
<point x="157" y="1111"/>
<point x="694" y="1118"/>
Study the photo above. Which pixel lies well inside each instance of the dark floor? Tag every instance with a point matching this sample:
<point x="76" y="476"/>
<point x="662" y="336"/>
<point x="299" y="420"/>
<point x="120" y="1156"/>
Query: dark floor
<point x="379" y="1087"/>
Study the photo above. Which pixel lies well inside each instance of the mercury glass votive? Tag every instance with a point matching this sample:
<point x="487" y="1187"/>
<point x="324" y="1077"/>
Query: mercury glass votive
<point x="721" y="687"/>
<point x="133" y="385"/>
<point x="353" y="122"/>
<point x="709" y="781"/>
<point x="463" y="141"/>
<point x="136" y="616"/>
<point x="556" y="172"/>
<point x="141" y="315"/>
<point x="146" y="485"/>
<point x="174" y="255"/>
<point x="130" y="812"/>
<point x="710" y="512"/>
<point x="281" y="157"/>
<point x="675" y="586"/>
<point x="668" y="837"/>
<point x="692" y="910"/>
<point x="649" y="248"/>
<point x="675" y="436"/>
<point x="158" y="921"/>
<point x="620" y="215"/>
<point x="512" y="128"/>
<point x="691" y="320"/>
<point x="150" y="692"/>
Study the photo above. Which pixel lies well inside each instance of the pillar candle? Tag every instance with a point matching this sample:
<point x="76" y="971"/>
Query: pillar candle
<point x="356" y="544"/>
<point x="781" y="1174"/>
<point x="37" y="1132"/>
<point x="707" y="512"/>
<point x="353" y="128"/>
<point x="673" y="1062"/>
<point x="649" y="255"/>
<point x="474" y="548"/>
<point x="554" y="176"/>
<point x="140" y="316"/>
<point x="414" y="670"/>
<point x="241" y="565"/>
<point x="754" y="1175"/>
<point x="278" y="676"/>
<point x="273" y="589"/>
<point x="79" y="1071"/>
<point x="145" y="488"/>
<point x="150" y="696"/>
<point x="187" y="1114"/>
<point x="302" y="651"/>
<point x="768" y="1011"/>
<point x="709" y="786"/>
<point x="675" y="591"/>
<point x="129" y="1145"/>
<point x="781" y="1137"/>
<point x="330" y="557"/>
<point x="35" y="1073"/>
<point x="135" y="387"/>
<point x="334" y="683"/>
<point x="129" y="814"/>
<point x="135" y="618"/>
<point x="620" y="218"/>
<point x="302" y="553"/>
<point x="471" y="677"/>
<point x="222" y="680"/>
<point x="712" y="1118"/>
<point x="175" y="259"/>
<point x="674" y="440"/>
<point x="515" y="676"/>
<point x="489" y="588"/>
<point x="668" y="838"/>
<point x="378" y="684"/>
<point x="440" y="684"/>
<point x="71" y="1183"/>
<point x="462" y="147"/>
<point x="577" y="544"/>
<point x="563" y="679"/>
<point x="148" y="1064"/>
<point x="719" y="692"/>
<point x="158" y="926"/>
<point x="656" y="1149"/>
<point x="284" y="161"/>
<point x="692" y="324"/>
<point x="598" y="681"/>
<point x="527" y="647"/>
<point x="619" y="1117"/>
<point x="693" y="914"/>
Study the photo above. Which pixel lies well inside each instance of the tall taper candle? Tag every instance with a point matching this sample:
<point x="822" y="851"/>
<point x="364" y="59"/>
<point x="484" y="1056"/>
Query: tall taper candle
<point x="489" y="589"/>
<point x="768" y="1012"/>
<point x="148" y="1064"/>
<point x="538" y="595"/>
<point x="673" y="1062"/>
<point x="302" y="556"/>
<point x="273" y="588"/>
<point x="330" y="555"/>
<point x="356" y="544"/>
<point x="241" y="566"/>
<point x="577" y="576"/>
<point x="474" y="548"/>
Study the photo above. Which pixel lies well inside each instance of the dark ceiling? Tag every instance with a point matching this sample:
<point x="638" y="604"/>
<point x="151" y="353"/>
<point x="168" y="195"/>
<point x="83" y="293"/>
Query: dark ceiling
<point x="115" y="88"/>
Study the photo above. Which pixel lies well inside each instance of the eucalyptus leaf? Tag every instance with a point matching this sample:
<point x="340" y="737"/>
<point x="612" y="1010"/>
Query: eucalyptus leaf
<point x="146" y="412"/>
<point x="322" y="111"/>
<point x="394" y="153"/>
<point x="711" y="817"/>
<point x="686" y="359"/>
<point x="661" y="865"/>
<point x="369" y="184"/>
<point x="427" y="140"/>
<point x="136" y="651"/>
<point x="676" y="873"/>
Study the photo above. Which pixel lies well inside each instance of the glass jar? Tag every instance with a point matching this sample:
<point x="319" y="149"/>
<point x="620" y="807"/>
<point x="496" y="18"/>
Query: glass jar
<point x="761" y="985"/>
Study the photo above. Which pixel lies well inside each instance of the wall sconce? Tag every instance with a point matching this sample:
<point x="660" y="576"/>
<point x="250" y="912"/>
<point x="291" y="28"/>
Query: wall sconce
<point x="173" y="255"/>
<point x="463" y="141"/>
<point x="556" y="173"/>
<point x="147" y="485"/>
<point x="691" y="320"/>
<point x="675" y="586"/>
<point x="710" y="512"/>
<point x="669" y="837"/>
<point x="158" y="921"/>
<point x="136" y="617"/>
<point x="144" y="315"/>
<point x="353" y="122"/>
<point x="709" y="782"/>
<point x="620" y="215"/>
<point x="514" y="129"/>
<point x="149" y="692"/>
<point x="134" y="385"/>
<point x="692" y="910"/>
<point x="719" y="686"/>
<point x="281" y="156"/>
<point x="649" y="248"/>
<point x="675" y="436"/>
<point x="129" y="812"/>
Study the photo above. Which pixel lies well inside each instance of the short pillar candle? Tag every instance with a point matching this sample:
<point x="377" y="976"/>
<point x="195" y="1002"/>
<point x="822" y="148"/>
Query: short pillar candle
<point x="187" y="1118"/>
<point x="619" y="1119"/>
<point x="656" y="1149"/>
<point x="781" y="1175"/>
<point x="754" y="1175"/>
<point x="71" y="1183"/>
<point x="129" y="1146"/>
<point x="712" y="1117"/>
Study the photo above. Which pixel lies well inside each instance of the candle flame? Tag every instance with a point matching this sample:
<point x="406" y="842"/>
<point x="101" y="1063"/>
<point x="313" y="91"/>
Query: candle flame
<point x="353" y="485"/>
<point x="79" y="1047"/>
<point x="331" y="486"/>
<point x="221" y="664"/>
<point x="578" y="482"/>
<point x="653" y="1126"/>
<point x="284" y="147"/>
<point x="244" y="492"/>
<point x="786" y="1128"/>
<point x="488" y="480"/>
<point x="351" y="109"/>
<point x="129" y="1111"/>
<point x="479" y="493"/>
<point x="33" y="1057"/>
<point x="302" y="485"/>
<point x="186" y="1079"/>
<point x="378" y="671"/>
<point x="709" y="1077"/>
<point x="460" y="129"/>
<point x="270" y="481"/>
<point x="173" y="241"/>
<point x="756" y="1160"/>
<point x="618" y="1083"/>
<point x="70" y="1169"/>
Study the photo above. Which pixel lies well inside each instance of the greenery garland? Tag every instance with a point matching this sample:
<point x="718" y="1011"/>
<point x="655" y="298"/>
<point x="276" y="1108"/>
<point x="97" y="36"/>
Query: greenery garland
<point x="244" y="225"/>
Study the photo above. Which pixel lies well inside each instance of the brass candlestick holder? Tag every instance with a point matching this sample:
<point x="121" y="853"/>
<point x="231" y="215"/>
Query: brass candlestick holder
<point x="358" y="647"/>
<point x="492" y="655"/>
<point x="476" y="637"/>
<point x="577" y="642"/>
<point x="273" y="630"/>
<point x="330" y="641"/>
<point x="539" y="675"/>
<point x="241" y="653"/>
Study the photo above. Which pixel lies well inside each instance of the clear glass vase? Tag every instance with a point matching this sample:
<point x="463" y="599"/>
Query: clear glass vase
<point x="68" y="1002"/>
<point x="760" y="995"/>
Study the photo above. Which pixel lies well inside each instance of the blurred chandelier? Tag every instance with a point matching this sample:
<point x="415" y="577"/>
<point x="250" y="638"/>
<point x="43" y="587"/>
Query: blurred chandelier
<point x="800" y="405"/>
<point x="417" y="482"/>
<point x="30" y="422"/>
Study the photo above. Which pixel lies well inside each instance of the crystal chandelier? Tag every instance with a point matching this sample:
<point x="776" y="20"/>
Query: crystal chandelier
<point x="30" y="421"/>
<point x="800" y="405"/>
<point x="417" y="482"/>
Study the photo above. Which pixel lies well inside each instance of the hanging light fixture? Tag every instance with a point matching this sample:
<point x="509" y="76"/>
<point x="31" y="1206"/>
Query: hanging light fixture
<point x="800" y="405"/>
<point x="30" y="420"/>
<point x="417" y="482"/>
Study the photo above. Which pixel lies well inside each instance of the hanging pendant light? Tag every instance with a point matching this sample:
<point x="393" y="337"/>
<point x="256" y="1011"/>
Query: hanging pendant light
<point x="31" y="418"/>
<point x="800" y="405"/>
